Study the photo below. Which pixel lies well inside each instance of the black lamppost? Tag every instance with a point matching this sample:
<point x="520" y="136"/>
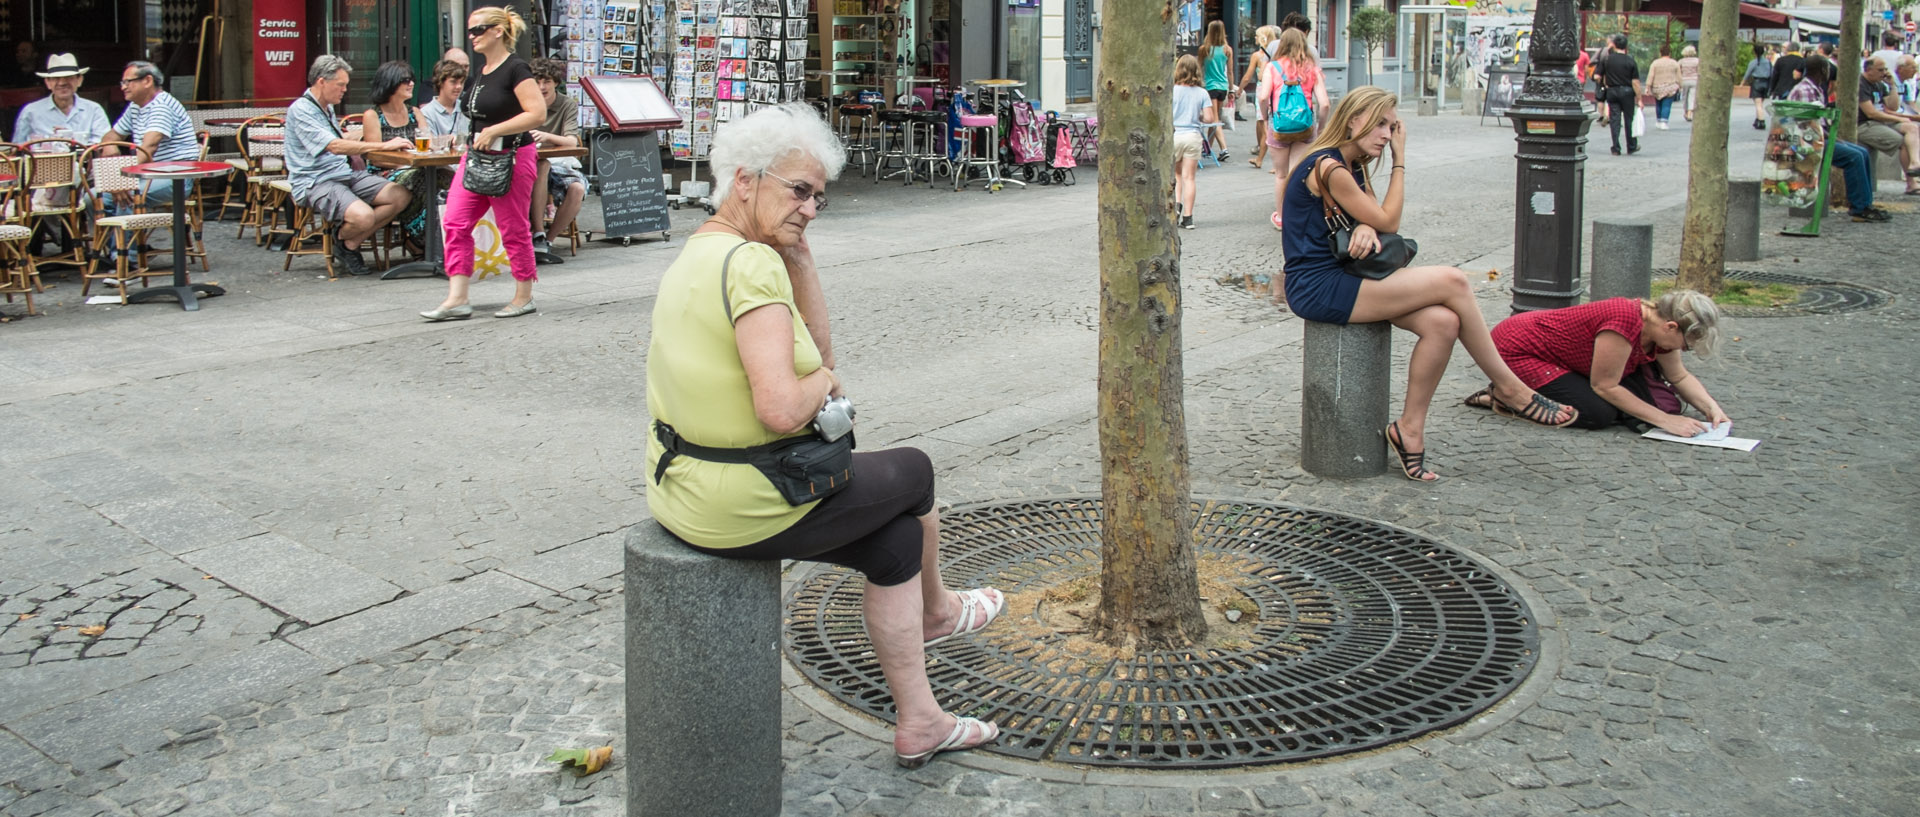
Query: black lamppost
<point x="1550" y="120"/>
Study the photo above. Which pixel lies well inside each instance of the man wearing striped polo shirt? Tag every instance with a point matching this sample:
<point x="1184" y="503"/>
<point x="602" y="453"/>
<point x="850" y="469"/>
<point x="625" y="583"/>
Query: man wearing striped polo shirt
<point x="155" y="119"/>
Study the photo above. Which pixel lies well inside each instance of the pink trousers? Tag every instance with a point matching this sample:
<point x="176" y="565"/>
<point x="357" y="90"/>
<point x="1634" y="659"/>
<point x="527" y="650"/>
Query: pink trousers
<point x="510" y="214"/>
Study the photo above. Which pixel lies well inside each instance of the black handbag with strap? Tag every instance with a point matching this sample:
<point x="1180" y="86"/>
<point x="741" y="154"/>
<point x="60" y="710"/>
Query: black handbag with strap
<point x="489" y="172"/>
<point x="803" y="469"/>
<point x="1395" y="252"/>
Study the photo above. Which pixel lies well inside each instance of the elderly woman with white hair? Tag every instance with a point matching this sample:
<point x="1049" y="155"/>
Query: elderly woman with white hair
<point x="740" y="364"/>
<point x="1616" y="360"/>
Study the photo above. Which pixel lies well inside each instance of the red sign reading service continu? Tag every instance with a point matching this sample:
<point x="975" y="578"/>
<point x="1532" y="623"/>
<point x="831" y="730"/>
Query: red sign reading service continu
<point x="279" y="48"/>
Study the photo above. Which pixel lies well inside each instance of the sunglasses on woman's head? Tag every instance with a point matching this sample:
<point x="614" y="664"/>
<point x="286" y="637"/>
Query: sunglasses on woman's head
<point x="476" y="31"/>
<point x="801" y="191"/>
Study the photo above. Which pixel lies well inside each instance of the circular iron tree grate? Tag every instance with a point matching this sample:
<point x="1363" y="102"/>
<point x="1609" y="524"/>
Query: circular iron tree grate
<point x="1819" y="296"/>
<point x="1365" y="635"/>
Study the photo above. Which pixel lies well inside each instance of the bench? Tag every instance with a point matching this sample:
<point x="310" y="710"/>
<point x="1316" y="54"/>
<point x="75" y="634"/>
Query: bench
<point x="1343" y="399"/>
<point x="703" y="680"/>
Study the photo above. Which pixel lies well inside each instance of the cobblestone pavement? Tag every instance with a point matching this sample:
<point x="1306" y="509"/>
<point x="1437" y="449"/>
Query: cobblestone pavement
<point x="348" y="563"/>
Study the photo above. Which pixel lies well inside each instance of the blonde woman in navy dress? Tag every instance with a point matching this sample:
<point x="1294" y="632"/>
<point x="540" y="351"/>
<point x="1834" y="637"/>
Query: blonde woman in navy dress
<point x="1435" y="303"/>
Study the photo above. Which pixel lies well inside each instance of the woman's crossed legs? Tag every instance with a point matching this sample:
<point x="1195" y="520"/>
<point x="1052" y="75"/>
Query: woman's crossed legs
<point x="1436" y="304"/>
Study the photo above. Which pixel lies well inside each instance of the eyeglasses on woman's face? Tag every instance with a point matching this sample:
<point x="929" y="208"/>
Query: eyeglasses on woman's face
<point x="475" y="31"/>
<point x="801" y="191"/>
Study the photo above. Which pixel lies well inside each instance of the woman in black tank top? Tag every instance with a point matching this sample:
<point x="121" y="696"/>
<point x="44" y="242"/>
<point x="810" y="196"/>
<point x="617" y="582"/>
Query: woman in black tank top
<point x="393" y="116"/>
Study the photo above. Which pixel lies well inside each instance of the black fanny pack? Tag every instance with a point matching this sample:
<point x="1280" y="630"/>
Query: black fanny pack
<point x="802" y="469"/>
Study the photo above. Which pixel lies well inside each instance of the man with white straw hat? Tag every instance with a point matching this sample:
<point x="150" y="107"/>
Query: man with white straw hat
<point x="64" y="114"/>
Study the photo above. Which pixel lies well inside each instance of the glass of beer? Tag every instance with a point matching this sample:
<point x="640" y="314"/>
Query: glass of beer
<point x="422" y="144"/>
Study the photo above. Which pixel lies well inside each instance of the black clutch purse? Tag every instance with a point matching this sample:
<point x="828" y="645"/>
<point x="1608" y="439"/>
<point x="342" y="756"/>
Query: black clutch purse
<point x="1395" y="252"/>
<point x="489" y="172"/>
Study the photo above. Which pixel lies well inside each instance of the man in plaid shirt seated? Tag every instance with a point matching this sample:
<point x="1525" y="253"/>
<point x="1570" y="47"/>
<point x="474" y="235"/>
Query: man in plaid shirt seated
<point x="1854" y="162"/>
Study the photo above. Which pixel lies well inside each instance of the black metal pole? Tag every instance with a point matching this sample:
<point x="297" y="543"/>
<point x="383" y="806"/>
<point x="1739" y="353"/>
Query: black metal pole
<point x="1550" y="120"/>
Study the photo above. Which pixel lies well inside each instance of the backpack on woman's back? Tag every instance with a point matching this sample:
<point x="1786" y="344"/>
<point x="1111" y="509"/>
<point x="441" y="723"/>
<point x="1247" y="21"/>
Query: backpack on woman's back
<point x="1292" y="119"/>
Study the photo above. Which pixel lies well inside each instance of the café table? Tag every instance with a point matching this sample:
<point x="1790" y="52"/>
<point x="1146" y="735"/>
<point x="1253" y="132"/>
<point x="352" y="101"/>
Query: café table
<point x="434" y="265"/>
<point x="178" y="172"/>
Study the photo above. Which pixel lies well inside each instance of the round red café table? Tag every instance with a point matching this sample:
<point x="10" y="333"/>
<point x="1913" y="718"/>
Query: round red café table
<point x="178" y="172"/>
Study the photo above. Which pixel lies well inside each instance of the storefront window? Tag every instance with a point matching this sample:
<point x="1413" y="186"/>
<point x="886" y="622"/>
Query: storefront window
<point x="1329" y="42"/>
<point x="1023" y="44"/>
<point x="353" y="34"/>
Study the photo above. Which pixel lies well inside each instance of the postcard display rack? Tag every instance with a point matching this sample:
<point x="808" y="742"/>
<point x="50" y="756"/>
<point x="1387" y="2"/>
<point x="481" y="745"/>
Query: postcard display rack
<point x="718" y="59"/>
<point x="616" y="38"/>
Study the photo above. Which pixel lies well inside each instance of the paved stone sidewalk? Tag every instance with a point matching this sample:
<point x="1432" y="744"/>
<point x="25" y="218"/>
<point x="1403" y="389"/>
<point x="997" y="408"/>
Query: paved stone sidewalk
<point x="353" y="564"/>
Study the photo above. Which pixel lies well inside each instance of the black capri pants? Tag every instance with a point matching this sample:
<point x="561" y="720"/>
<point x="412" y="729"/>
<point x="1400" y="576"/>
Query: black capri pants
<point x="872" y="526"/>
<point x="1574" y="389"/>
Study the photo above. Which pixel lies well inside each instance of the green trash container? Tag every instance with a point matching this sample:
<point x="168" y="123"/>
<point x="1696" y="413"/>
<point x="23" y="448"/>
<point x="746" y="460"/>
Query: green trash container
<point x="1799" y="160"/>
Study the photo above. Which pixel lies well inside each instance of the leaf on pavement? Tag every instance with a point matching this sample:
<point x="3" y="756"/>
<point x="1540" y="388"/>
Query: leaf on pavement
<point x="586" y="761"/>
<point x="94" y="630"/>
<point x="25" y="616"/>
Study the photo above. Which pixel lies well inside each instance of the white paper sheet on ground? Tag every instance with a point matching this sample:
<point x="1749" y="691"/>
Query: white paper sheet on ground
<point x="103" y="299"/>
<point x="1715" y="437"/>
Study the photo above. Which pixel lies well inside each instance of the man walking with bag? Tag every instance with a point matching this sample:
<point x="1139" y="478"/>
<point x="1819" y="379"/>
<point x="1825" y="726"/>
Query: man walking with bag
<point x="1620" y="88"/>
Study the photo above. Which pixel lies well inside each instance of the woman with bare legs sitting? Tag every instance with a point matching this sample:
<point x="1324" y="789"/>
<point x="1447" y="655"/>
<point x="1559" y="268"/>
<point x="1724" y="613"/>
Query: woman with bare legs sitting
<point x="1435" y="303"/>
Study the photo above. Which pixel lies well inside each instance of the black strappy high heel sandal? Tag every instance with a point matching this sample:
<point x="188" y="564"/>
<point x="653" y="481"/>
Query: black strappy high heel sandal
<point x="1413" y="464"/>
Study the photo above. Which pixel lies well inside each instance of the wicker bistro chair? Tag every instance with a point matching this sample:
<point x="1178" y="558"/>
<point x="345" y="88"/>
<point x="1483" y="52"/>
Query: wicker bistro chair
<point x="52" y="193"/>
<point x="307" y="235"/>
<point x="263" y="149"/>
<point x="103" y="179"/>
<point x="18" y="275"/>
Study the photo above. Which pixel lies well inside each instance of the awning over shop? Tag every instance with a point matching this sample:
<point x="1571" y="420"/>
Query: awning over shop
<point x="1752" y="15"/>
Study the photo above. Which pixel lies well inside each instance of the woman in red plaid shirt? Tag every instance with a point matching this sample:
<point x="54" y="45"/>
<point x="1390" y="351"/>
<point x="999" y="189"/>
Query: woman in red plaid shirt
<point x="1595" y="358"/>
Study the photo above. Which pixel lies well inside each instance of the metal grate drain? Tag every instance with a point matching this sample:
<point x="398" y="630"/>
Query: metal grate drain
<point x="1821" y="297"/>
<point x="1366" y="635"/>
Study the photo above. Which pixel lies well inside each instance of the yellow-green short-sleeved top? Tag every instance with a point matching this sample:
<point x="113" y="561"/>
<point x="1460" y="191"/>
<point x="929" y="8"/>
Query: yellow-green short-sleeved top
<point x="696" y="383"/>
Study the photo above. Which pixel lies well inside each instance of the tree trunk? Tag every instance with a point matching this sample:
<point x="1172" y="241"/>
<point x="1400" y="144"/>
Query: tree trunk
<point x="1149" y="590"/>
<point x="1703" y="236"/>
<point x="1846" y="84"/>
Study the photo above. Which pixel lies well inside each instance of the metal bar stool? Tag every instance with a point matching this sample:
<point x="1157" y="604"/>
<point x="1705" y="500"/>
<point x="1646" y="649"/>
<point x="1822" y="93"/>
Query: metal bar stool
<point x="930" y="133"/>
<point x="856" y="132"/>
<point x="974" y="128"/>
<point x="896" y="145"/>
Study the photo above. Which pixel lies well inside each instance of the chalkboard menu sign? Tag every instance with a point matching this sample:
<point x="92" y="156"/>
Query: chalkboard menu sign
<point x="632" y="197"/>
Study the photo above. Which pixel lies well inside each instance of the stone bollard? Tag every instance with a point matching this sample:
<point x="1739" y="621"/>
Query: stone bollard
<point x="1343" y="399"/>
<point x="1622" y="259"/>
<point x="1427" y="107"/>
<point x="1743" y="220"/>
<point x="703" y="681"/>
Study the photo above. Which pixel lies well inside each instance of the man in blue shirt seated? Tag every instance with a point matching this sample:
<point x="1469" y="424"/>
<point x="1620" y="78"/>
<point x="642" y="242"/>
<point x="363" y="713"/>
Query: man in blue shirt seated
<point x="1853" y="161"/>
<point x="157" y="121"/>
<point x="321" y="175"/>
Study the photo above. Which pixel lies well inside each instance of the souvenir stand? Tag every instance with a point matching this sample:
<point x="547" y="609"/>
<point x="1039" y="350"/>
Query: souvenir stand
<point x="617" y="38"/>
<point x="1798" y="161"/>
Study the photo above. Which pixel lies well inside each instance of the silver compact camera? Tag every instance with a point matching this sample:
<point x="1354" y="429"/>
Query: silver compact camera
<point x="835" y="419"/>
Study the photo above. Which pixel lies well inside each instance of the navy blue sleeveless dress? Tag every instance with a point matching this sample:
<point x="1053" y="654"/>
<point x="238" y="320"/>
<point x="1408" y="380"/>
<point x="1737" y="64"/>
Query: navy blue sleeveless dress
<point x="1317" y="288"/>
